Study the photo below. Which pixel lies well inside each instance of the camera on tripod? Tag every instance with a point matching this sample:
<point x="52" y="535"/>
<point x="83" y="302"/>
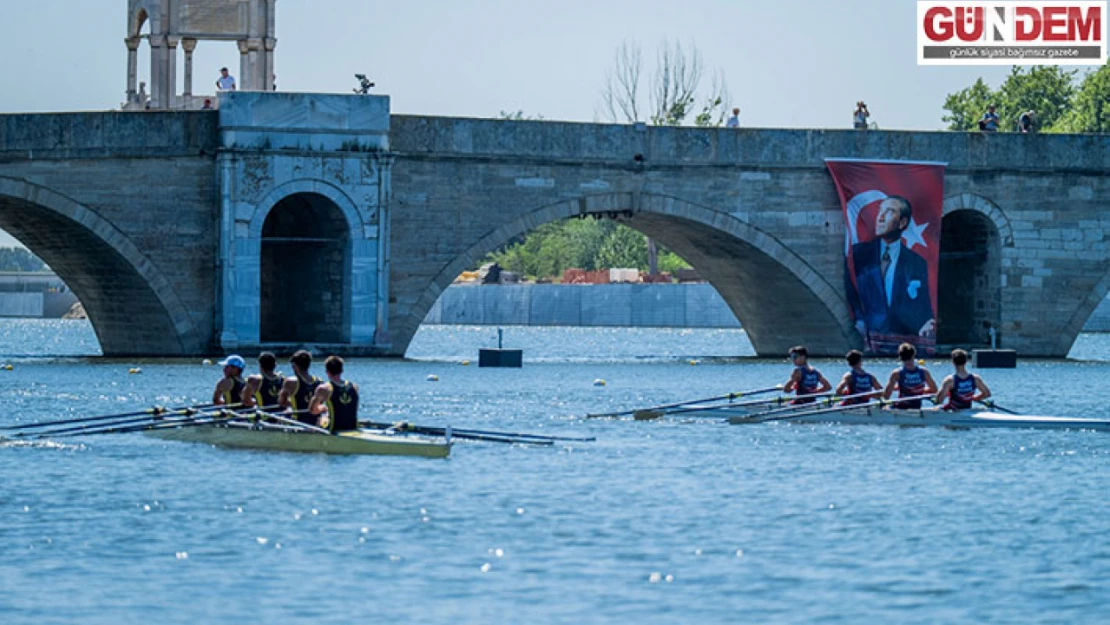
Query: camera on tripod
<point x="364" y="84"/>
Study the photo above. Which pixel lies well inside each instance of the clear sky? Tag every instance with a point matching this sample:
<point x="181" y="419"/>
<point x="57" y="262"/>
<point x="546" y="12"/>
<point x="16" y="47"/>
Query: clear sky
<point x="790" y="63"/>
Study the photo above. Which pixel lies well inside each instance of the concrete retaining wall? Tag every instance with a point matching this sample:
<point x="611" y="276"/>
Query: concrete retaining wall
<point x="636" y="305"/>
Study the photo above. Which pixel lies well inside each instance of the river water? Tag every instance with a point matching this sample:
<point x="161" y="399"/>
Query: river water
<point x="655" y="522"/>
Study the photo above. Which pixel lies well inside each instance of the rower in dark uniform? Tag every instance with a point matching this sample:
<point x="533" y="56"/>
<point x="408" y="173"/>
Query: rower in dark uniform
<point x="336" y="401"/>
<point x="858" y="382"/>
<point x="910" y="380"/>
<point x="264" y="388"/>
<point x="297" y="390"/>
<point x="804" y="380"/>
<point x="229" y="389"/>
<point x="961" y="389"/>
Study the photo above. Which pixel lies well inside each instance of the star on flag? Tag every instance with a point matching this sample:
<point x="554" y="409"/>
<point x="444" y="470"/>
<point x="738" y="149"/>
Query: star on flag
<point x="912" y="234"/>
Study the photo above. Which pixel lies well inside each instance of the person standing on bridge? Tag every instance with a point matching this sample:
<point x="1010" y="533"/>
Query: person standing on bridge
<point x="989" y="121"/>
<point x="335" y="402"/>
<point x="804" y="380"/>
<point x="229" y="389"/>
<point x="297" y="390"/>
<point x="226" y="82"/>
<point x="263" y="389"/>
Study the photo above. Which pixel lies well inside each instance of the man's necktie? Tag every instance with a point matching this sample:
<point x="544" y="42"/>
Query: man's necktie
<point x="886" y="262"/>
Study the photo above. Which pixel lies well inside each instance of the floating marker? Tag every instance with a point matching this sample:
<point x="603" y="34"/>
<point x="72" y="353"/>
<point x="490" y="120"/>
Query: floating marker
<point x="433" y="378"/>
<point x="693" y="362"/>
<point x="134" y="370"/>
<point x="206" y="362"/>
<point x="465" y="363"/>
<point x="599" y="382"/>
<point x="7" y="367"/>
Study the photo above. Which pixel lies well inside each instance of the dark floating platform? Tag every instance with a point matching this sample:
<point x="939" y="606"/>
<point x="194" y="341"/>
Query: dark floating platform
<point x="994" y="359"/>
<point x="500" y="358"/>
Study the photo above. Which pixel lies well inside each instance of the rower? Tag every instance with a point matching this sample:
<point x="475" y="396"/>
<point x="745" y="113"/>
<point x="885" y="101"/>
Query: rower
<point x="961" y="388"/>
<point x="263" y="389"/>
<point x="804" y="380"/>
<point x="230" y="388"/>
<point x="858" y="382"/>
<point x="336" y="401"/>
<point x="296" y="391"/>
<point x="910" y="379"/>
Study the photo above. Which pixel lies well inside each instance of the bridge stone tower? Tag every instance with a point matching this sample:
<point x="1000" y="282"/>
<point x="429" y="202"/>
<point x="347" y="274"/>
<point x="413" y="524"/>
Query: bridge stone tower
<point x="304" y="184"/>
<point x="174" y="23"/>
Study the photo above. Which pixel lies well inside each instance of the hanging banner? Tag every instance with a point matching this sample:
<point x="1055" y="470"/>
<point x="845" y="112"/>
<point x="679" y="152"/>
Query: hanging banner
<point x="892" y="214"/>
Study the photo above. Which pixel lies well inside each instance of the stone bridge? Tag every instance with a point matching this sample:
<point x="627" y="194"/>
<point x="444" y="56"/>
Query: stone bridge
<point x="287" y="219"/>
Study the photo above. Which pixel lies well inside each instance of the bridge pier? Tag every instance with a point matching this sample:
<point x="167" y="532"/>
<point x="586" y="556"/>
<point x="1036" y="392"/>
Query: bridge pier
<point x="303" y="195"/>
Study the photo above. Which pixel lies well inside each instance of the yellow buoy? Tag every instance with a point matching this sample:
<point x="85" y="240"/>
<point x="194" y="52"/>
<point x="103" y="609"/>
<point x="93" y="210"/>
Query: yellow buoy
<point x="465" y="363"/>
<point x="134" y="370"/>
<point x="693" y="362"/>
<point x="433" y="378"/>
<point x="599" y="382"/>
<point x="7" y="367"/>
<point x="206" y="362"/>
<point x="921" y="362"/>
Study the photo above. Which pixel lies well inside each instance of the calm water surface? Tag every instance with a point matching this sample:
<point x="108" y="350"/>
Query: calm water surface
<point x="656" y="522"/>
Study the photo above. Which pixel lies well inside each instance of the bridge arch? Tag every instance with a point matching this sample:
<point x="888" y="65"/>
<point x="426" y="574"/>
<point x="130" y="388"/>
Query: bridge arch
<point x="742" y="262"/>
<point x="133" y="308"/>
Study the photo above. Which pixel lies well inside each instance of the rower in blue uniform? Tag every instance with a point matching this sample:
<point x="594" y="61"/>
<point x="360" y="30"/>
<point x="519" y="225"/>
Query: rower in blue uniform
<point x="335" y="402"/>
<point x="858" y="382"/>
<point x="910" y="380"/>
<point x="962" y="388"/>
<point x="804" y="380"/>
<point x="297" y="390"/>
<point x="263" y="389"/>
<point x="229" y="389"/>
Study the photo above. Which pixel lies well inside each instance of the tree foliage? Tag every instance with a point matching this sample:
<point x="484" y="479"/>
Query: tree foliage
<point x="675" y="88"/>
<point x="1090" y="110"/>
<point x="19" y="259"/>
<point x="589" y="244"/>
<point x="1047" y="89"/>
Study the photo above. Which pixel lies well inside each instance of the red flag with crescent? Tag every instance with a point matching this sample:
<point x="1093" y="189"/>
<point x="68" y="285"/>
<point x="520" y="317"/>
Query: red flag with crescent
<point x="892" y="216"/>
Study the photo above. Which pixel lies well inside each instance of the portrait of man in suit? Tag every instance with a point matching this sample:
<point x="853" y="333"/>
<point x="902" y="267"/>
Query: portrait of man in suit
<point x="891" y="291"/>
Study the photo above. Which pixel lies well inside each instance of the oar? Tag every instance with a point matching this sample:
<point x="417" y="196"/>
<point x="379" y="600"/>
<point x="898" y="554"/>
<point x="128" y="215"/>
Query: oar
<point x="729" y="397"/>
<point x="184" y="412"/>
<point x="647" y="414"/>
<point x="827" y="400"/>
<point x="157" y="410"/>
<point x="465" y="434"/>
<point x="878" y="403"/>
<point x="194" y="419"/>
<point x="989" y="403"/>
<point x="455" y="432"/>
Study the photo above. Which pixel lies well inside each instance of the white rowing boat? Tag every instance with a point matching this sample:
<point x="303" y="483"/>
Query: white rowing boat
<point x="281" y="438"/>
<point x="965" y="419"/>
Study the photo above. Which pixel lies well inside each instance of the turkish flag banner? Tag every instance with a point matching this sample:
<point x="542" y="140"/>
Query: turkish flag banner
<point x="892" y="216"/>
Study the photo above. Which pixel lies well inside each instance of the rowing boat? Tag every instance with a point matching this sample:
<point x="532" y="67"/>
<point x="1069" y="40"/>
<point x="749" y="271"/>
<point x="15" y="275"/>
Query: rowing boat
<point x="965" y="419"/>
<point x="280" y="438"/>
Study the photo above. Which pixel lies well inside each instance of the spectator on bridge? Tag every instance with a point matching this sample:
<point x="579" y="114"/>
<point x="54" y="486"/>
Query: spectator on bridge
<point x="207" y="104"/>
<point x="989" y="121"/>
<point x="1026" y="123"/>
<point x="860" y="116"/>
<point x="734" y="121"/>
<point x="226" y="82"/>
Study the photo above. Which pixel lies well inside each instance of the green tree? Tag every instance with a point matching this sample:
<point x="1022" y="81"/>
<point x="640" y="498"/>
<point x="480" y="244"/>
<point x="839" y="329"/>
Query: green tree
<point x="624" y="247"/>
<point x="1046" y="89"/>
<point x="967" y="105"/>
<point x="1090" y="111"/>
